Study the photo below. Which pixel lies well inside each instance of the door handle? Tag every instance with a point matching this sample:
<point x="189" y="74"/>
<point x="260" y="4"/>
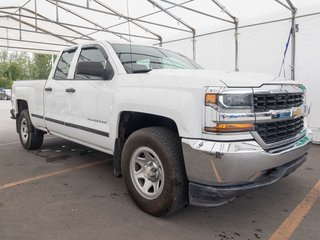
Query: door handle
<point x="48" y="89"/>
<point x="70" y="90"/>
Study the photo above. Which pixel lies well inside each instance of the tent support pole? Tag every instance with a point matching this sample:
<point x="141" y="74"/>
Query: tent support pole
<point x="61" y="25"/>
<point x="293" y="39"/>
<point x="293" y="10"/>
<point x="83" y="27"/>
<point x="87" y="20"/>
<point x="236" y="33"/>
<point x="293" y="47"/>
<point x="180" y="21"/>
<point x="20" y="33"/>
<point x="128" y="19"/>
<point x="236" y="45"/>
<point x="57" y="12"/>
<point x="39" y="32"/>
<point x="196" y="11"/>
<point x="43" y="30"/>
<point x="35" y="15"/>
<point x="194" y="52"/>
<point x="138" y="19"/>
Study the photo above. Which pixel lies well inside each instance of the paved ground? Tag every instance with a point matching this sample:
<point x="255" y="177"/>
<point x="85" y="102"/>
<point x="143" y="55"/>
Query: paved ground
<point x="90" y="203"/>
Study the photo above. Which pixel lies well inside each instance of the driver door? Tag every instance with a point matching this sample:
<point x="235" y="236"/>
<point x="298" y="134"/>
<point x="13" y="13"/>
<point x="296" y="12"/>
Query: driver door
<point x="89" y="101"/>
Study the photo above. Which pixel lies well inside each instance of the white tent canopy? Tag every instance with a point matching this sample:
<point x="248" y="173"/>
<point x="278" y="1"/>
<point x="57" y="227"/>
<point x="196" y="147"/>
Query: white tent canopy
<point x="206" y="30"/>
<point x="67" y="22"/>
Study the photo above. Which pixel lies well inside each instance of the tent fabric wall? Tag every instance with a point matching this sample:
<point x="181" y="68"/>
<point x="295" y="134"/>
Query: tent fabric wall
<point x="261" y="49"/>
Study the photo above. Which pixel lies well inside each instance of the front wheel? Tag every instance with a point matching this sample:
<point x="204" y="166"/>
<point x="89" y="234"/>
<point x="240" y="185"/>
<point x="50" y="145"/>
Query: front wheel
<point x="30" y="137"/>
<point x="154" y="171"/>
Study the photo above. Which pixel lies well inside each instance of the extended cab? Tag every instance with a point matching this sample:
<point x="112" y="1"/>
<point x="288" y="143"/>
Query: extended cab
<point x="179" y="134"/>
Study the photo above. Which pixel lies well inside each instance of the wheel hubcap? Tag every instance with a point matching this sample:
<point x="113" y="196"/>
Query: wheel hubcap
<point x="24" y="130"/>
<point x="147" y="172"/>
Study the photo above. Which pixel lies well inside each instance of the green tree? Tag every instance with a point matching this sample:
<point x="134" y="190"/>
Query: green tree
<point x="5" y="83"/>
<point x="41" y="66"/>
<point x="23" y="66"/>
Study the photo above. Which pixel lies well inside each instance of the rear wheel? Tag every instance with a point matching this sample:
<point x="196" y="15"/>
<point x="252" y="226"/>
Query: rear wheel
<point x="154" y="172"/>
<point x="30" y="137"/>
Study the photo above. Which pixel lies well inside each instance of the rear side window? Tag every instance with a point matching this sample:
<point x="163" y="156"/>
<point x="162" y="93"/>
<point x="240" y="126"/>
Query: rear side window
<point x="64" y="63"/>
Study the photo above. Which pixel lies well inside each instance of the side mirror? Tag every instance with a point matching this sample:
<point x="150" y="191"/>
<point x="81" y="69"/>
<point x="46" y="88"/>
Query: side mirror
<point x="93" y="70"/>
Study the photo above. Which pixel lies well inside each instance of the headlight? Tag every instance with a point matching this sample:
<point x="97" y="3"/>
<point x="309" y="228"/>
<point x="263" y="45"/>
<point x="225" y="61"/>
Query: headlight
<point x="229" y="111"/>
<point x="234" y="101"/>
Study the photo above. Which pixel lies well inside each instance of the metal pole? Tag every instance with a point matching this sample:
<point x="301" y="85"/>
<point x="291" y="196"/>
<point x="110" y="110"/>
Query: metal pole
<point x="293" y="46"/>
<point x="152" y="13"/>
<point x="236" y="45"/>
<point x="43" y="30"/>
<point x="43" y="33"/>
<point x="196" y="11"/>
<point x="66" y="27"/>
<point x="194" y="55"/>
<point x="35" y="15"/>
<point x="293" y="39"/>
<point x="84" y="27"/>
<point x="112" y="14"/>
<point x="20" y="37"/>
<point x="33" y="41"/>
<point x="32" y="49"/>
<point x="7" y="39"/>
<point x="88" y="20"/>
<point x="180" y="21"/>
<point x="293" y="10"/>
<point x="57" y="12"/>
<point x="236" y="33"/>
<point x="128" y="19"/>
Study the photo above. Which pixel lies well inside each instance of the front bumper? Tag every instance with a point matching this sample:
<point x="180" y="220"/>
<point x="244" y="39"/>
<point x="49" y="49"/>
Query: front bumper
<point x="203" y="195"/>
<point x="226" y="165"/>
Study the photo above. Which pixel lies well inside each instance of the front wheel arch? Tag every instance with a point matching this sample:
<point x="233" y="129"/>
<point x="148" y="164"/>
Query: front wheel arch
<point x="167" y="145"/>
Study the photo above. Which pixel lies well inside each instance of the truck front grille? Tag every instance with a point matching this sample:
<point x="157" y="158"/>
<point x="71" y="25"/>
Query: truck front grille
<point x="266" y="102"/>
<point x="272" y="132"/>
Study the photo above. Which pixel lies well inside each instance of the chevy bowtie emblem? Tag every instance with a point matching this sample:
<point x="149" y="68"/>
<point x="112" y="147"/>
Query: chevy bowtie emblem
<point x="297" y="112"/>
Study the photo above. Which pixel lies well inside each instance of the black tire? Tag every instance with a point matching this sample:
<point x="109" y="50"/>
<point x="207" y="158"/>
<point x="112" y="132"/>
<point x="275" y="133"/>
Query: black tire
<point x="34" y="137"/>
<point x="167" y="146"/>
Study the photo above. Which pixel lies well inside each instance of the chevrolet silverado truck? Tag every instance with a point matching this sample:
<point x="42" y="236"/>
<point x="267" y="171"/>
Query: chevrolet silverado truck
<point x="179" y="134"/>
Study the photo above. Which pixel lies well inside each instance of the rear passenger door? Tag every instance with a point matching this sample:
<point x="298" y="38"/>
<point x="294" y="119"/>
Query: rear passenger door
<point x="89" y="104"/>
<point x="55" y="109"/>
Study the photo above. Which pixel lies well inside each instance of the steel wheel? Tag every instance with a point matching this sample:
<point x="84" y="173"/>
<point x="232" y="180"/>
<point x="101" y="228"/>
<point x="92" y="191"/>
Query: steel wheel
<point x="24" y="130"/>
<point x="146" y="172"/>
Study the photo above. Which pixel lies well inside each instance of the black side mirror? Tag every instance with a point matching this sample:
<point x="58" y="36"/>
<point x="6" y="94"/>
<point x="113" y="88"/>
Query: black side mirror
<point x="93" y="70"/>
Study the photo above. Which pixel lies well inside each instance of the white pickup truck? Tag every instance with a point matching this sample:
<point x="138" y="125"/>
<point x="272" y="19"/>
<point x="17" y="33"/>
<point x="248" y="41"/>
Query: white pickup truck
<point x="179" y="134"/>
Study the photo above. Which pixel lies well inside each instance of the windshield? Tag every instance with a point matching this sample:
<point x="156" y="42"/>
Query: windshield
<point x="139" y="59"/>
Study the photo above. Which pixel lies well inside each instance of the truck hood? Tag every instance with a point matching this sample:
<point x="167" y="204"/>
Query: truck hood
<point x="230" y="79"/>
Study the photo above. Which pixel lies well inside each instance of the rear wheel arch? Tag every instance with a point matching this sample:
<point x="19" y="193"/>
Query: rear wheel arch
<point x="21" y="105"/>
<point x="30" y="137"/>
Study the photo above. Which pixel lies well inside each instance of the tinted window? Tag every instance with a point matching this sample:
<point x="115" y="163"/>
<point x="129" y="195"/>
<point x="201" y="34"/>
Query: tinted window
<point x="98" y="65"/>
<point x="137" y="59"/>
<point x="64" y="63"/>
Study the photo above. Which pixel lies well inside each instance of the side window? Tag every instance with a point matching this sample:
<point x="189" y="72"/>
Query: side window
<point x="93" y="65"/>
<point x="63" y="65"/>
